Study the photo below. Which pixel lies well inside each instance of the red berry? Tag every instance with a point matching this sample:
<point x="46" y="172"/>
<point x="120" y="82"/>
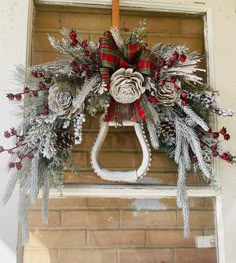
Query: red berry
<point x="21" y="138"/>
<point x="11" y="165"/>
<point x="35" y="93"/>
<point x="176" y="88"/>
<point x="182" y="58"/>
<point x="93" y="55"/>
<point x="76" y="69"/>
<point x="29" y="155"/>
<point x="173" y="79"/>
<point x="158" y="70"/>
<point x="20" y="155"/>
<point x="86" y="53"/>
<point x="18" y="144"/>
<point x="162" y="82"/>
<point x="42" y="86"/>
<point x="223" y="131"/>
<point x="84" y="67"/>
<point x="226" y="136"/>
<point x="10" y="151"/>
<point x="1" y="149"/>
<point x="34" y="73"/>
<point x="18" y="165"/>
<point x="72" y="35"/>
<point x="41" y="74"/>
<point x="18" y="96"/>
<point x="191" y="154"/>
<point x="74" y="42"/>
<point x="13" y="131"/>
<point x="45" y="112"/>
<point x="26" y="90"/>
<point x="209" y="130"/>
<point x="184" y="95"/>
<point x="202" y="144"/>
<point x="215" y="153"/>
<point x="195" y="159"/>
<point x="184" y="102"/>
<point x="10" y="96"/>
<point x="45" y="105"/>
<point x="84" y="43"/>
<point x="7" y="134"/>
<point x="153" y="100"/>
<point x="74" y="63"/>
<point x="162" y="62"/>
<point x="214" y="147"/>
<point x="170" y="63"/>
<point x="216" y="135"/>
<point x="175" y="56"/>
<point x="89" y="73"/>
<point x="224" y="156"/>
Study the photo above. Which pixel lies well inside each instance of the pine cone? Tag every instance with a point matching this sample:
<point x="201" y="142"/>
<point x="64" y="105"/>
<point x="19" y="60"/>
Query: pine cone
<point x="64" y="140"/>
<point x="166" y="94"/>
<point x="167" y="128"/>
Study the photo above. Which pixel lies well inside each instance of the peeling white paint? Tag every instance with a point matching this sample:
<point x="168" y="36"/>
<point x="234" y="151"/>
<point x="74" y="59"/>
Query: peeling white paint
<point x="148" y="204"/>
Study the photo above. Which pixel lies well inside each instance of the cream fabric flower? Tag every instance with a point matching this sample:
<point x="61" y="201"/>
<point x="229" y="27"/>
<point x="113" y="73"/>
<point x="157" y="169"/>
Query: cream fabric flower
<point x="61" y="102"/>
<point x="126" y="86"/>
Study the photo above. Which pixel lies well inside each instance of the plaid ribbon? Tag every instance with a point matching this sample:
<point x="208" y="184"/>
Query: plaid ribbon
<point x="134" y="56"/>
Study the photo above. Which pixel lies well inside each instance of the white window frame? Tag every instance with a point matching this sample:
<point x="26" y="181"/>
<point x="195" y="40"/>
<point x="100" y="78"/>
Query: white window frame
<point x="139" y="191"/>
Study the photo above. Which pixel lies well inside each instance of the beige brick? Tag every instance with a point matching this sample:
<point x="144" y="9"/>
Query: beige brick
<point x="148" y="218"/>
<point x="146" y="256"/>
<point x="63" y="203"/>
<point x="192" y="26"/>
<point x="80" y="159"/>
<point x="41" y="40"/>
<point x="161" y="160"/>
<point x="47" y="20"/>
<point x="110" y="202"/>
<point x="198" y="219"/>
<point x="56" y="239"/>
<point x="87" y="256"/>
<point x="40" y="255"/>
<point x="194" y="44"/>
<point x="204" y="255"/>
<point x="43" y="57"/>
<point x="114" y="238"/>
<point x="83" y="178"/>
<point x="165" y="25"/>
<point x="90" y="218"/>
<point x="86" y="22"/>
<point x="172" y="238"/>
<point x="35" y="219"/>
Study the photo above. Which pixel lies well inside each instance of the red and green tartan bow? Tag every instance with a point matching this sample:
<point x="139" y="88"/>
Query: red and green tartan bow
<point x="135" y="56"/>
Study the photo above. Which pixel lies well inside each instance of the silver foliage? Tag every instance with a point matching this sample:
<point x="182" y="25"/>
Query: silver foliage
<point x="117" y="37"/>
<point x="152" y="134"/>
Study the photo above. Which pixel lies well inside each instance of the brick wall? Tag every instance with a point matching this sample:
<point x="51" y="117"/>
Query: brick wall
<point x="117" y="230"/>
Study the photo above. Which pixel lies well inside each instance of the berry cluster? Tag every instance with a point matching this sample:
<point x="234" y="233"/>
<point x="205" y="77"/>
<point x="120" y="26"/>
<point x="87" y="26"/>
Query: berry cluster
<point x="214" y="146"/>
<point x="33" y="92"/>
<point x="163" y="64"/>
<point x="16" y="149"/>
<point x="92" y="56"/>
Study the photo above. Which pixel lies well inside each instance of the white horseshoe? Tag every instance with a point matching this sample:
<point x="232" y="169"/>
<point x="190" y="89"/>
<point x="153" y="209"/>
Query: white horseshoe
<point x="121" y="176"/>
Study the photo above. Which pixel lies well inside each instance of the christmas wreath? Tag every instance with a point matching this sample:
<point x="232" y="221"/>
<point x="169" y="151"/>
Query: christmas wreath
<point x="119" y="80"/>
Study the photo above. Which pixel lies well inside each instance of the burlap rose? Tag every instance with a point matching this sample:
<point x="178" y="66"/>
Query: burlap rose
<point x="126" y="86"/>
<point x="61" y="102"/>
<point x="166" y="94"/>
